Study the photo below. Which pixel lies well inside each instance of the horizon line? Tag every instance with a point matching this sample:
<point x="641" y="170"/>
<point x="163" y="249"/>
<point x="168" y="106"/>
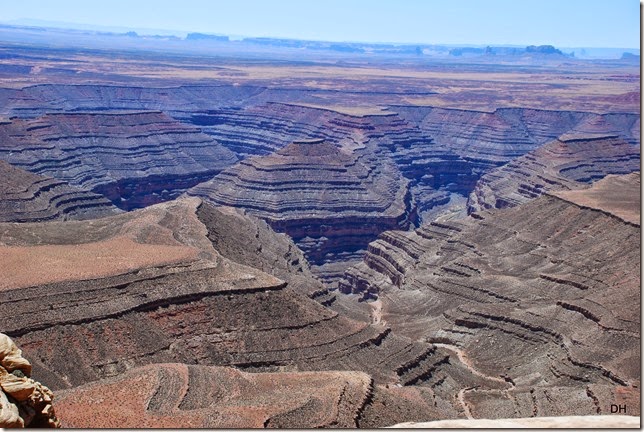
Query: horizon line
<point x="63" y="25"/>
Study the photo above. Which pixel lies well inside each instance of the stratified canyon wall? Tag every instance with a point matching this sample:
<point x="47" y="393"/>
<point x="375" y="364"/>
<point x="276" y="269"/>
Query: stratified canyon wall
<point x="553" y="284"/>
<point x="147" y="287"/>
<point x="132" y="158"/>
<point x="565" y="163"/>
<point x="28" y="197"/>
<point x="405" y="164"/>
<point x="330" y="201"/>
<point x="172" y="235"/>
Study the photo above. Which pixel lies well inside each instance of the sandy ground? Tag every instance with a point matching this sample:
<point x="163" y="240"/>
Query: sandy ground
<point x="23" y="266"/>
<point x="611" y="194"/>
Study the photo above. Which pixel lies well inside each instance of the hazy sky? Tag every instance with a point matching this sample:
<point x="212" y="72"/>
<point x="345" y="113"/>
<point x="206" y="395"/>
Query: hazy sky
<point x="564" y="23"/>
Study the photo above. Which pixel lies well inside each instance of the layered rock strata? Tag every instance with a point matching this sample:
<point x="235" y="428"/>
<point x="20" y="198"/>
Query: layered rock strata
<point x="563" y="164"/>
<point x="248" y="240"/>
<point x="511" y="132"/>
<point x="442" y="152"/>
<point x="179" y="396"/>
<point x="23" y="401"/>
<point x="331" y="202"/>
<point x="552" y="283"/>
<point x="28" y="197"/>
<point x="36" y="100"/>
<point x="132" y="158"/>
<point x="148" y="287"/>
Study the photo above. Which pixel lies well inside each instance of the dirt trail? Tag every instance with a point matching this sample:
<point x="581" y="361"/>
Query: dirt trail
<point x="468" y="364"/>
<point x="461" y="400"/>
<point x="376" y="315"/>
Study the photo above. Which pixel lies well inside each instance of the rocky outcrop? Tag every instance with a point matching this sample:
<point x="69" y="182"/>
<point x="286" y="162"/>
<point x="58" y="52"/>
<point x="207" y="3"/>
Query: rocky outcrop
<point x="248" y="240"/>
<point x="564" y="164"/>
<point x="132" y="158"/>
<point x="27" y="197"/>
<point x="552" y="283"/>
<point x="23" y="401"/>
<point x="331" y="202"/>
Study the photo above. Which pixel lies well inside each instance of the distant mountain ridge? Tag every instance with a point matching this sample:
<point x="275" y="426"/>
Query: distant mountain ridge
<point x="351" y="47"/>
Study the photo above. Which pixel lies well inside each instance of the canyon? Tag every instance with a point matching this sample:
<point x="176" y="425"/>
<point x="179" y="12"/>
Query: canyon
<point x="525" y="280"/>
<point x="239" y="243"/>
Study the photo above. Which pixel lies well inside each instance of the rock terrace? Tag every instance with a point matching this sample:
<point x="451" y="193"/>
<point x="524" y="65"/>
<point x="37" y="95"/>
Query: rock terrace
<point x="132" y="158"/>
<point x="28" y="197"/>
<point x="328" y="200"/>
<point x="537" y="281"/>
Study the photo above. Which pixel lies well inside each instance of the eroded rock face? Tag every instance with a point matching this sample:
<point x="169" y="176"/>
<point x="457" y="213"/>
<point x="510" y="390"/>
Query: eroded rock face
<point x="23" y="401"/>
<point x="169" y="296"/>
<point x="563" y="164"/>
<point x="249" y="240"/>
<point x="133" y="158"/>
<point x="553" y="284"/>
<point x="111" y="303"/>
<point x="328" y="200"/>
<point x="442" y="152"/>
<point x="431" y="157"/>
<point x="177" y="396"/>
<point x="28" y="197"/>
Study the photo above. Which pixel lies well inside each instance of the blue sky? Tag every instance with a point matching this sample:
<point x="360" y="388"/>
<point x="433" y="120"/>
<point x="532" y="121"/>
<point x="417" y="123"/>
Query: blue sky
<point x="564" y="23"/>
